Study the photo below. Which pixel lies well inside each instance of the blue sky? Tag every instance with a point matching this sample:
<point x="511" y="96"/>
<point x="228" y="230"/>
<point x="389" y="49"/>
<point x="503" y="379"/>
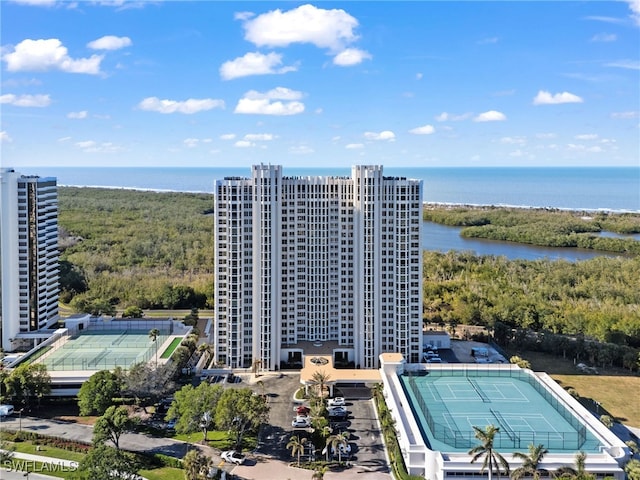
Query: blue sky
<point x="216" y="84"/>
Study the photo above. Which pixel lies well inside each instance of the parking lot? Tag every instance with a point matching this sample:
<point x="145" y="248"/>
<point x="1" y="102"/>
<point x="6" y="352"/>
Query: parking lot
<point x="365" y="438"/>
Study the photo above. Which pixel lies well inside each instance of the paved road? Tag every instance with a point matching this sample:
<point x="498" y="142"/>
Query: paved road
<point x="134" y="442"/>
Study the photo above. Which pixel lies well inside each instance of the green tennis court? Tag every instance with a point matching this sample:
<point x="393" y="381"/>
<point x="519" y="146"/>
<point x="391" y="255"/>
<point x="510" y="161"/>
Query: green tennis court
<point x="449" y="403"/>
<point x="102" y="350"/>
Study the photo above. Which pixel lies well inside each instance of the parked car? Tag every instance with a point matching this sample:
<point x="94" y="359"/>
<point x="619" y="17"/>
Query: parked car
<point x="429" y="355"/>
<point x="172" y="424"/>
<point x="337" y="413"/>
<point x="434" y="360"/>
<point x="336" y="402"/>
<point x="231" y="456"/>
<point x="301" y="422"/>
<point x="302" y="410"/>
<point x="6" y="410"/>
<point x="344" y="450"/>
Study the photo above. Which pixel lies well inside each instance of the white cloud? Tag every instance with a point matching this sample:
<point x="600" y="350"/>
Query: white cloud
<point x="268" y="107"/>
<point x="354" y="146"/>
<point x="513" y="140"/>
<point x="301" y="150"/>
<point x="77" y="115"/>
<point x="582" y="148"/>
<point x="487" y="41"/>
<point x="387" y="135"/>
<point x="545" y="136"/>
<point x="50" y="54"/>
<point x="419" y="76"/>
<point x="190" y="106"/>
<point x="191" y="142"/>
<point x="254" y="63"/>
<point x="26" y="100"/>
<point x="332" y="29"/>
<point x="36" y="3"/>
<point x="110" y="42"/>
<point x="628" y="64"/>
<point x="625" y="115"/>
<point x="244" y="144"/>
<point x="91" y="146"/>
<point x="278" y="93"/>
<point x="424" y="130"/>
<point x="546" y="98"/>
<point x="604" y="37"/>
<point x="5" y="137"/>
<point x="351" y="56"/>
<point x="243" y="15"/>
<point x="602" y="18"/>
<point x="587" y="136"/>
<point x="270" y="103"/>
<point x="634" y="5"/>
<point x="490" y="116"/>
<point x="85" y="144"/>
<point x="227" y="136"/>
<point x="259" y="137"/>
<point x="449" y="117"/>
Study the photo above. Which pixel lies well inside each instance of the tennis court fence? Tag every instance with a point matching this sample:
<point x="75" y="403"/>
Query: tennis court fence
<point x="451" y="435"/>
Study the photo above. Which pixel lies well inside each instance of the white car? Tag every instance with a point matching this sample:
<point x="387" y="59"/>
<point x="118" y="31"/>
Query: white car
<point x="336" y="402"/>
<point x="301" y="422"/>
<point x="231" y="456"/>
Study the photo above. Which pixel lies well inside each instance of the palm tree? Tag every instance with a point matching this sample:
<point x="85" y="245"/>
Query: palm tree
<point x="297" y="446"/>
<point x="530" y="462"/>
<point x="255" y="366"/>
<point x="319" y="472"/>
<point x="154" y="333"/>
<point x="205" y="423"/>
<point x="195" y="463"/>
<point x="492" y="459"/>
<point x="319" y="380"/>
<point x="206" y="349"/>
<point x="338" y="442"/>
<point x="578" y="472"/>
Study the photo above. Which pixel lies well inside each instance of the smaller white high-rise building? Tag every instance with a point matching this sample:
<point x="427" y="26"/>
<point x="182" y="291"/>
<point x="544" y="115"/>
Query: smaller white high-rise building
<point x="29" y="282"/>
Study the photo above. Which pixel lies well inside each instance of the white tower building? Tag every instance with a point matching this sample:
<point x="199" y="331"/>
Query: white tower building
<point x="29" y="287"/>
<point x="331" y="260"/>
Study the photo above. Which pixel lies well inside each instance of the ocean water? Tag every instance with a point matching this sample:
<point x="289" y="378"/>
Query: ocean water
<point x="580" y="188"/>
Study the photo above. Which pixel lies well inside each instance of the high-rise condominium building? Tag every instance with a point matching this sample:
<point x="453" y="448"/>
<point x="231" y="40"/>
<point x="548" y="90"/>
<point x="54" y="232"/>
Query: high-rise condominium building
<point x="29" y="258"/>
<point x="312" y="260"/>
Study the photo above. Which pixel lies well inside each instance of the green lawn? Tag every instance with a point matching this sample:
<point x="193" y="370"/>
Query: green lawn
<point x="169" y="350"/>
<point x="218" y="439"/>
<point x="612" y="388"/>
<point x="164" y="473"/>
<point x="47" y="451"/>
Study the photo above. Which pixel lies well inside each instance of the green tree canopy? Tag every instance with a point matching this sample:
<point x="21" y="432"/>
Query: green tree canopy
<point x="148" y="383"/>
<point x="112" y="425"/>
<point x="240" y="411"/>
<point x="98" y="392"/>
<point x="28" y="382"/>
<point x="190" y="403"/>
<point x="107" y="463"/>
